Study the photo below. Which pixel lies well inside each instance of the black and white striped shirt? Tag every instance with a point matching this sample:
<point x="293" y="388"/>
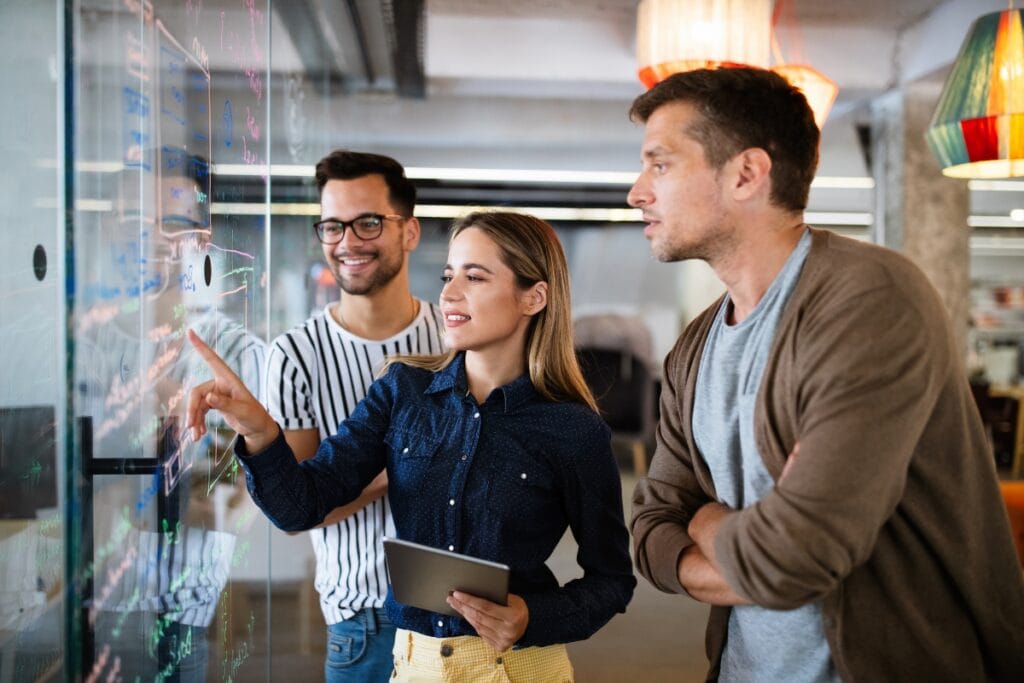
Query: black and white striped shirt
<point x="316" y="374"/>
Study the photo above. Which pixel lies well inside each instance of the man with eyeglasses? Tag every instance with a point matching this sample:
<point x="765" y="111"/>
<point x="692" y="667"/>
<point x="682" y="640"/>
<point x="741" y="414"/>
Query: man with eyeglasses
<point x="318" y="371"/>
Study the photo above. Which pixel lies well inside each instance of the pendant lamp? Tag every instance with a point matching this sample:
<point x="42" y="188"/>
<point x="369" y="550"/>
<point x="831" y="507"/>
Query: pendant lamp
<point x="977" y="130"/>
<point x="819" y="89"/>
<point x="682" y="35"/>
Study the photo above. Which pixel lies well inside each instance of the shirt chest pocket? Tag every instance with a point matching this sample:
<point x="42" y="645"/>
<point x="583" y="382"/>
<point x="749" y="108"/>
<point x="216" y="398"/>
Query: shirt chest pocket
<point x="524" y="495"/>
<point x="410" y="456"/>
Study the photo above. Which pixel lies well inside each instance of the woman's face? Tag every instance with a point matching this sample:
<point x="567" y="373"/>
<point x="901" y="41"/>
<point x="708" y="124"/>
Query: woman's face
<point x="484" y="311"/>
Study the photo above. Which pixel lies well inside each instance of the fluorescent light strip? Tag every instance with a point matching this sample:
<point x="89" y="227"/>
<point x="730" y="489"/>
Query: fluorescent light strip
<point x="278" y="170"/>
<point x="476" y="174"/>
<point x="435" y="211"/>
<point x="551" y="213"/>
<point x="840" y="182"/>
<point x="509" y="175"/>
<point x="85" y="166"/>
<point x="512" y="175"/>
<point x="994" y="222"/>
<point x="91" y="205"/>
<point x="548" y="213"/>
<point x="996" y="185"/>
<point x="838" y="218"/>
<point x="259" y="208"/>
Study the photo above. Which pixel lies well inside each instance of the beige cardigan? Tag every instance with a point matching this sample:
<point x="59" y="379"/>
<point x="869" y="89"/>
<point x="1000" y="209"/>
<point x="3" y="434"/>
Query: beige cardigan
<point x="891" y="515"/>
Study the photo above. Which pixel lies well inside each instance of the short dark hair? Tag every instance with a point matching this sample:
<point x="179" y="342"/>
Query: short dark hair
<point x="343" y="164"/>
<point x="746" y="107"/>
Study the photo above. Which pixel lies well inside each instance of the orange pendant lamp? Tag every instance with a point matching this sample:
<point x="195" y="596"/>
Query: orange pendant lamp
<point x="818" y="88"/>
<point x="682" y="35"/>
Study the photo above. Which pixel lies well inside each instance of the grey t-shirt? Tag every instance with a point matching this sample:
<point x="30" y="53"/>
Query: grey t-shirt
<point x="762" y="644"/>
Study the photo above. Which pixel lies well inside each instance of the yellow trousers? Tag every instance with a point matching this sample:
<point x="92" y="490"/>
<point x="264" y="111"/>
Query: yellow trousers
<point x="468" y="659"/>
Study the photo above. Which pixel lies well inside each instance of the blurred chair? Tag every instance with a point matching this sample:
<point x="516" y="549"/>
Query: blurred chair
<point x="615" y="356"/>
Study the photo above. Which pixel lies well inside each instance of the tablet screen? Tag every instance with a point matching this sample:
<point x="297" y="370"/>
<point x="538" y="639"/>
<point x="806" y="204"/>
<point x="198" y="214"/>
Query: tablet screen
<point x="423" y="577"/>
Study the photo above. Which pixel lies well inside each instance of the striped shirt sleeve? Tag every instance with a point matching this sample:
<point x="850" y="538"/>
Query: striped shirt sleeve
<point x="288" y="386"/>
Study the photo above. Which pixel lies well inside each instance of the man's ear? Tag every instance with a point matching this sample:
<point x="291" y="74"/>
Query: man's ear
<point x="752" y="170"/>
<point x="535" y="299"/>
<point x="412" y="233"/>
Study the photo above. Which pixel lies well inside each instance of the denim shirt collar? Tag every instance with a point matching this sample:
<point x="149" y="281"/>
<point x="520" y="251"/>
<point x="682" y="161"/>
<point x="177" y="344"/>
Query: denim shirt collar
<point x="453" y="378"/>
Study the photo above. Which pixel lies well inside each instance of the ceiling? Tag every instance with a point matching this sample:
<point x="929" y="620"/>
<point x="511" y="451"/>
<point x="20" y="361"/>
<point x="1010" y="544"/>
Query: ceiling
<point x="872" y="13"/>
<point x="515" y="59"/>
<point x="546" y="84"/>
<point x="559" y="48"/>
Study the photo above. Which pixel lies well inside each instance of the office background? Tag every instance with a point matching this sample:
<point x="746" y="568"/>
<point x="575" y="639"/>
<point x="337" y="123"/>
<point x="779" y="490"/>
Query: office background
<point x="158" y="176"/>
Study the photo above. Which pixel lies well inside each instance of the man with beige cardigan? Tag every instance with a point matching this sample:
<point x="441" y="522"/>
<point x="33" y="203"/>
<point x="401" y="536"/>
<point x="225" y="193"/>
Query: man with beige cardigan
<point x="821" y="477"/>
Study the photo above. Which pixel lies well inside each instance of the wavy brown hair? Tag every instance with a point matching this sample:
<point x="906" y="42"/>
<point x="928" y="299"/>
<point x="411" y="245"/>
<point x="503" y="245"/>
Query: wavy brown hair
<point x="746" y="107"/>
<point x="532" y="251"/>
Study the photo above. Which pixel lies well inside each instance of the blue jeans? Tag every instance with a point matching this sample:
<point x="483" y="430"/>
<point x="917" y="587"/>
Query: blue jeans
<point x="359" y="649"/>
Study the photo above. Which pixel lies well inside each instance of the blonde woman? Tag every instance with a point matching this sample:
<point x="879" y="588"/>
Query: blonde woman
<point x="492" y="450"/>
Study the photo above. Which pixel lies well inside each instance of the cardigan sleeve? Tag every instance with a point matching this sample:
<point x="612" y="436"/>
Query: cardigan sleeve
<point x="865" y="372"/>
<point x="666" y="499"/>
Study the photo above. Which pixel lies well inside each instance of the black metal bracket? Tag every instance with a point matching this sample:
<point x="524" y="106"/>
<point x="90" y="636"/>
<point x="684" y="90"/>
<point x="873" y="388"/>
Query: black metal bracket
<point x="168" y="508"/>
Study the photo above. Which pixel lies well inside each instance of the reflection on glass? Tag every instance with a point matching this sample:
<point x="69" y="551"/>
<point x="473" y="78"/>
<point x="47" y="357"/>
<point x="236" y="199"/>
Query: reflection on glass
<point x="165" y="90"/>
<point x="93" y="307"/>
<point x="164" y="539"/>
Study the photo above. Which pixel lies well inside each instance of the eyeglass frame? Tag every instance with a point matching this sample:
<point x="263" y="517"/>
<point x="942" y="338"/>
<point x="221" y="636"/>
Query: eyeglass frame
<point x="351" y="225"/>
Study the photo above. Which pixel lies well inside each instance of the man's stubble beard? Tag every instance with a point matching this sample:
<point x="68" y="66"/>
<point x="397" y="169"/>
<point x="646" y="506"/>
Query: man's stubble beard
<point x="386" y="272"/>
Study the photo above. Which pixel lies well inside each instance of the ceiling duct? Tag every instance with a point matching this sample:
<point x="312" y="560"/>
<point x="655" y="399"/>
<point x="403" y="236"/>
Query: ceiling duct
<point x="322" y="65"/>
<point x="357" y="46"/>
<point x="404" y="21"/>
<point x="362" y="42"/>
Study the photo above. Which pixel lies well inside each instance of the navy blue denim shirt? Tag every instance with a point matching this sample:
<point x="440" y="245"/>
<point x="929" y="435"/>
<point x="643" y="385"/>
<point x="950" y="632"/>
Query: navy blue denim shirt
<point x="500" y="481"/>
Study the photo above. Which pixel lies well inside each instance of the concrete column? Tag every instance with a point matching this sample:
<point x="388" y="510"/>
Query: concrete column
<point x="918" y="210"/>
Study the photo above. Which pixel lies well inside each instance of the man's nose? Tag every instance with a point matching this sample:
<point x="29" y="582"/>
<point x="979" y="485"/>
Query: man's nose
<point x="639" y="195"/>
<point x="349" y="237"/>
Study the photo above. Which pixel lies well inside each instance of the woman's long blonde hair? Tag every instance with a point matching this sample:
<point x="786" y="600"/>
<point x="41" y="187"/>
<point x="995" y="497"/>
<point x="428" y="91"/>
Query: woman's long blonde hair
<point x="531" y="249"/>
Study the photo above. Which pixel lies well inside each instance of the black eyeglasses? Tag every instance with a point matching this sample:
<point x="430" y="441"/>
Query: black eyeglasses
<point x="369" y="226"/>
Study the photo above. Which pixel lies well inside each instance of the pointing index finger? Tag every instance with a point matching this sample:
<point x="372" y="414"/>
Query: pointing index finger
<point x="220" y="369"/>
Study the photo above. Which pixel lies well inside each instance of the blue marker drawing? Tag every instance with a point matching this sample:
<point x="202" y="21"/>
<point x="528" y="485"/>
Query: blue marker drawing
<point x="174" y="117"/>
<point x="135" y="103"/>
<point x="229" y="123"/>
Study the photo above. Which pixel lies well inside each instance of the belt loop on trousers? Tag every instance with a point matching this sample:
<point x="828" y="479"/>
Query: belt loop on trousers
<point x="372" y="620"/>
<point x="408" y="648"/>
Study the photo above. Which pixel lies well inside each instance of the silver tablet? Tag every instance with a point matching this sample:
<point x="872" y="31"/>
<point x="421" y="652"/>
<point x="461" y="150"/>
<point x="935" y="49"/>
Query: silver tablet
<point x="423" y="577"/>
